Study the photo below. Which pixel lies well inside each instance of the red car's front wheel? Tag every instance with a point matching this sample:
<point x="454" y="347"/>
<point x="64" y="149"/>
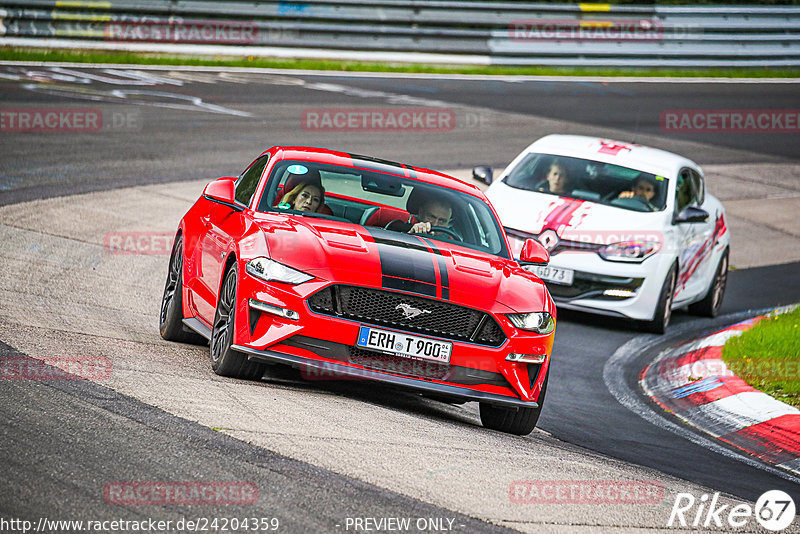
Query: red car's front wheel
<point x="224" y="360"/>
<point x="519" y="421"/>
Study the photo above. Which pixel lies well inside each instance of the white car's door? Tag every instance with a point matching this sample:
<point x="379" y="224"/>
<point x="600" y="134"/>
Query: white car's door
<point x="694" y="237"/>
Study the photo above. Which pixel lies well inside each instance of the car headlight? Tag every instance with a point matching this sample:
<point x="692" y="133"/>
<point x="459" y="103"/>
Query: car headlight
<point x="539" y="322"/>
<point x="272" y="271"/>
<point x="629" y="251"/>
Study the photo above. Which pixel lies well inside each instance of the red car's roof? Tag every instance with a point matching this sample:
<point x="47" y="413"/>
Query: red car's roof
<point x="356" y="161"/>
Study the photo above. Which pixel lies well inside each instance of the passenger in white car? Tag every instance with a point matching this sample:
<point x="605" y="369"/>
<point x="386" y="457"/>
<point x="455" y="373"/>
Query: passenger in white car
<point x="557" y="179"/>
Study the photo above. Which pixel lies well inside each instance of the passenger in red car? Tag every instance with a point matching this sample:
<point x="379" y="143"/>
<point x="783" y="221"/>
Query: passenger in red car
<point x="305" y="197"/>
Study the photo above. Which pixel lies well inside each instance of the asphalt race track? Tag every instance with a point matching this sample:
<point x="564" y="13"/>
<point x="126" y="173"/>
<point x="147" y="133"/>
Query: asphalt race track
<point x="322" y="454"/>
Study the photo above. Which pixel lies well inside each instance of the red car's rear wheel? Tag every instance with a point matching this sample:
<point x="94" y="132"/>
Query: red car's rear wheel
<point x="170" y="323"/>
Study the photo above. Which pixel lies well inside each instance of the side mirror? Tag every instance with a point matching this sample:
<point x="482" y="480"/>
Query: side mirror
<point x="483" y="174"/>
<point x="691" y="214"/>
<point x="221" y="190"/>
<point x="534" y="252"/>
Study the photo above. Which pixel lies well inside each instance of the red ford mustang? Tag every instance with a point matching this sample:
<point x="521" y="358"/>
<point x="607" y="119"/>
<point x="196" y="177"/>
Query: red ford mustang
<point x="347" y="266"/>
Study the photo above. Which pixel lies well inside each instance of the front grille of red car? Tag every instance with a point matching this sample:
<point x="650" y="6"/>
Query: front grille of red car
<point x="456" y="374"/>
<point x="386" y="308"/>
<point x="399" y="365"/>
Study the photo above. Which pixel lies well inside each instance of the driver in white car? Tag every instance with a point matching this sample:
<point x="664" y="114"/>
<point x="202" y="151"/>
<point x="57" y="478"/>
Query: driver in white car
<point x="643" y="188"/>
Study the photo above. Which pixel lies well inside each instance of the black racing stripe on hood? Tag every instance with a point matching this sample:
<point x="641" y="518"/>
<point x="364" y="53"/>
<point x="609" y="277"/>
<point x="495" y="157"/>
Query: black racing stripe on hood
<point x="406" y="264"/>
<point x="441" y="264"/>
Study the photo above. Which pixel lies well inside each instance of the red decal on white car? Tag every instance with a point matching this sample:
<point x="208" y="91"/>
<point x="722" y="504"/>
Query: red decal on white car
<point x="560" y="218"/>
<point x="613" y="148"/>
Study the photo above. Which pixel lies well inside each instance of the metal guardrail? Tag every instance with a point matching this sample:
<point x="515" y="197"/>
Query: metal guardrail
<point x="507" y="33"/>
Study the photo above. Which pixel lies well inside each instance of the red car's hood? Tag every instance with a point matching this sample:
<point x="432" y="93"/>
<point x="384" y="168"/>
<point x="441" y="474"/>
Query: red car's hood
<point x="352" y="254"/>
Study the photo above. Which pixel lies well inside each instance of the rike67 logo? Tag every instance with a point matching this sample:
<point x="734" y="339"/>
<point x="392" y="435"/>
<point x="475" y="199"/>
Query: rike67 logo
<point x="774" y="510"/>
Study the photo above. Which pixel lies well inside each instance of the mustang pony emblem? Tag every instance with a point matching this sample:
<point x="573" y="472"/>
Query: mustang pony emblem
<point x="409" y="311"/>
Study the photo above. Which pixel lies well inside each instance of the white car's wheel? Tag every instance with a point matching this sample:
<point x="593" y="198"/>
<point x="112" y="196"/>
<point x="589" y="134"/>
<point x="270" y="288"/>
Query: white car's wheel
<point x="658" y="325"/>
<point x="712" y="301"/>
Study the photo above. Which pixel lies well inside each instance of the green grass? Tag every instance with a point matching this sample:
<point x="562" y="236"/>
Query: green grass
<point x="28" y="54"/>
<point x="768" y="356"/>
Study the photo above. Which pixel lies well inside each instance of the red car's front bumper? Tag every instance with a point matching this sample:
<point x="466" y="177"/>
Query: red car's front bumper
<point x="323" y="346"/>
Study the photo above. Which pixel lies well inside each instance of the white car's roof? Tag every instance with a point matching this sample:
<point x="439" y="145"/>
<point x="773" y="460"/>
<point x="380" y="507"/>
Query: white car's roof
<point x="607" y="150"/>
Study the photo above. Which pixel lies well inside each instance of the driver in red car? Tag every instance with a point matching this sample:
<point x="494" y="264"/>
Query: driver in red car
<point x="432" y="212"/>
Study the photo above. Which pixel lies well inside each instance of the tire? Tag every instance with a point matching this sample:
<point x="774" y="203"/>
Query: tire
<point x="518" y="421"/>
<point x="224" y="360"/>
<point x="658" y="325"/>
<point x="712" y="301"/>
<point x="170" y="321"/>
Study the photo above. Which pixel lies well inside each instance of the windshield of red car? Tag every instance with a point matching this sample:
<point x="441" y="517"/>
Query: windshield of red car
<point x="594" y="181"/>
<point x="375" y="199"/>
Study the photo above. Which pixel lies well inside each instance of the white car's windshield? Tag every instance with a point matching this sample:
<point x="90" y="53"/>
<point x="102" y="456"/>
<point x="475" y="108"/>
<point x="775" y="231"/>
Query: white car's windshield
<point x="382" y="200"/>
<point x="585" y="179"/>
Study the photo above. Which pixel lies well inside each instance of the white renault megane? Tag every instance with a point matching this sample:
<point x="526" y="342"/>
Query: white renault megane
<point x="631" y="230"/>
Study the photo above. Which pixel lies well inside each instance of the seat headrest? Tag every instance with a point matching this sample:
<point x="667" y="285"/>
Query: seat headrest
<point x="416" y="200"/>
<point x="312" y="176"/>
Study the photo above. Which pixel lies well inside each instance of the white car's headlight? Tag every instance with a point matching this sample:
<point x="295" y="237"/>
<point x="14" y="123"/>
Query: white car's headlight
<point x="539" y="322"/>
<point x="635" y="251"/>
<point x="272" y="271"/>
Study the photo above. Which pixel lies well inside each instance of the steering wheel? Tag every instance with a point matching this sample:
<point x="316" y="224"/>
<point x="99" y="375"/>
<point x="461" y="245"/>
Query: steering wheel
<point x="443" y="229"/>
<point x="393" y="221"/>
<point x="448" y="231"/>
<point x="644" y="202"/>
<point x="633" y="203"/>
